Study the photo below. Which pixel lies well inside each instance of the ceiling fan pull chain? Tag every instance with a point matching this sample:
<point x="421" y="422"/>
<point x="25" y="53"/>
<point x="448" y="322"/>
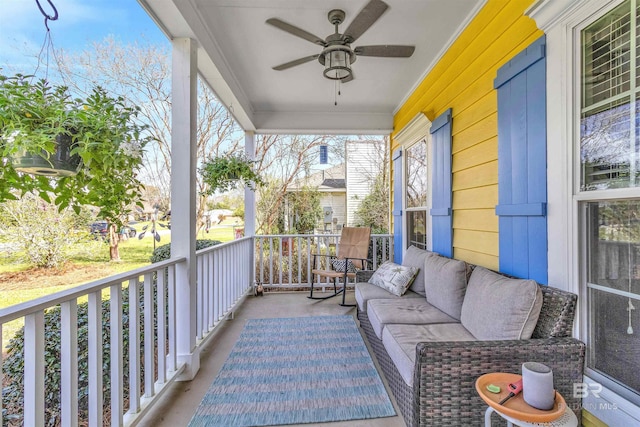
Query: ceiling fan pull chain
<point x="335" y="92"/>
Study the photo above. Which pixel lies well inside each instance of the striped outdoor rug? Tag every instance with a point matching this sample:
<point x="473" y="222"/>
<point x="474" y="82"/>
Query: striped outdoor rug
<point x="294" y="371"/>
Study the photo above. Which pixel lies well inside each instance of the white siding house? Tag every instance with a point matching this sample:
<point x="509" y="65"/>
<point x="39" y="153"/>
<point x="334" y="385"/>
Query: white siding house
<point x="363" y="161"/>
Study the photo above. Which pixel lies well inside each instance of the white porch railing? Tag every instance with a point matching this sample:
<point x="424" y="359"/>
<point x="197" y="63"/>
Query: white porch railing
<point x="127" y="361"/>
<point x="150" y="358"/>
<point x="224" y="277"/>
<point x="285" y="260"/>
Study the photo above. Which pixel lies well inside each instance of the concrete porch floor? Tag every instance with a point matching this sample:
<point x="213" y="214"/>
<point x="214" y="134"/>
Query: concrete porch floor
<point x="180" y="401"/>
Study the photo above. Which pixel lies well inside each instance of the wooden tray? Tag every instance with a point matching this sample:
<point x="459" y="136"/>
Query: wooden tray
<point x="516" y="407"/>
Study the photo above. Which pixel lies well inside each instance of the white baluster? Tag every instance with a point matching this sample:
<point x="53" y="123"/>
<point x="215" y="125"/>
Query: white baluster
<point x="95" y="358"/>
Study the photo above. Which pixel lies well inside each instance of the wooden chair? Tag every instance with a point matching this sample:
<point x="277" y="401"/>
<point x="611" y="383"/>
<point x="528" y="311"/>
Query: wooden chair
<point x="351" y="255"/>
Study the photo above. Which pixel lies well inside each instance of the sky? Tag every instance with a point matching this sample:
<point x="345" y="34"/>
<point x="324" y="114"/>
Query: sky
<point x="80" y="22"/>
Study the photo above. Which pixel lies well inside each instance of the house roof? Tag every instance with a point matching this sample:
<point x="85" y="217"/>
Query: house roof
<point x="327" y="180"/>
<point x="237" y="50"/>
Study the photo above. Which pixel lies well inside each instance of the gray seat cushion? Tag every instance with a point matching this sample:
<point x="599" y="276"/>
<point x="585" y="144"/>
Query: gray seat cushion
<point x="400" y="341"/>
<point x="415" y="257"/>
<point x="445" y="283"/>
<point x="367" y="291"/>
<point x="413" y="311"/>
<point x="499" y="308"/>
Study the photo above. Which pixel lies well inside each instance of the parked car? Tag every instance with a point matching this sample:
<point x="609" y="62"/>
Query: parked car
<point x="99" y="229"/>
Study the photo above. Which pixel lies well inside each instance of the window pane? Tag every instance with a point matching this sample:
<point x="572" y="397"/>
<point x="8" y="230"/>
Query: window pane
<point x="613" y="265"/>
<point x="417" y="175"/>
<point x="608" y="157"/>
<point x="609" y="125"/>
<point x="606" y="56"/>
<point x="417" y="229"/>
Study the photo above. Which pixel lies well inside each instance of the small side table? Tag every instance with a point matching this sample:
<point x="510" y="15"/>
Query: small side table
<point x="516" y="411"/>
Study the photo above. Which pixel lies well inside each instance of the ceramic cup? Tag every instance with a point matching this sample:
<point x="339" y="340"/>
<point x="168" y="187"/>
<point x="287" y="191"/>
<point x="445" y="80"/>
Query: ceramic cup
<point x="537" y="385"/>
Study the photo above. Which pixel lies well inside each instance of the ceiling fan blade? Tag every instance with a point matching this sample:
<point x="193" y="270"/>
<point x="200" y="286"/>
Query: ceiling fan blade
<point x="365" y="19"/>
<point x="385" y="50"/>
<point x="294" y="63"/>
<point x="299" y="32"/>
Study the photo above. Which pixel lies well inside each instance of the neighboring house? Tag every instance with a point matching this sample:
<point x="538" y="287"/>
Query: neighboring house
<point x="343" y="188"/>
<point x="362" y="159"/>
<point x="331" y="184"/>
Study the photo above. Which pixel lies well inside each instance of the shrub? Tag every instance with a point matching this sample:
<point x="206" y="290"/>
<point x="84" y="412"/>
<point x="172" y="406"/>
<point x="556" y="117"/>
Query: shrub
<point x="163" y="252"/>
<point x="13" y="367"/>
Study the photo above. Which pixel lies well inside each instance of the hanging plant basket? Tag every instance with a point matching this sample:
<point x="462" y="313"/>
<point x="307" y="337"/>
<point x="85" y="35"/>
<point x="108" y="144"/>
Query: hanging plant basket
<point x="60" y="163"/>
<point x="227" y="172"/>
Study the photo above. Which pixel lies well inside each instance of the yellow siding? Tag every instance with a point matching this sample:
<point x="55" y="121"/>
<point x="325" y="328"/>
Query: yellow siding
<point x="477" y="154"/>
<point x="477" y="176"/>
<point x="476" y="219"/>
<point x="463" y="81"/>
<point x="589" y="420"/>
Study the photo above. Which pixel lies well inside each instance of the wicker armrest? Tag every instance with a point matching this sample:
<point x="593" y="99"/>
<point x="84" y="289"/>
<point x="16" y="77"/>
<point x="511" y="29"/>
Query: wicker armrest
<point x="364" y="275"/>
<point x="445" y="374"/>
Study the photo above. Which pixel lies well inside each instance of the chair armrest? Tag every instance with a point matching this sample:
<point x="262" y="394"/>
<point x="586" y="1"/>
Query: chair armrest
<point x="445" y="372"/>
<point x="364" y="275"/>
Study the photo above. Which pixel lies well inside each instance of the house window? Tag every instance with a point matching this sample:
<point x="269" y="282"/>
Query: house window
<point x="609" y="162"/>
<point x="610" y="112"/>
<point x="416" y="194"/>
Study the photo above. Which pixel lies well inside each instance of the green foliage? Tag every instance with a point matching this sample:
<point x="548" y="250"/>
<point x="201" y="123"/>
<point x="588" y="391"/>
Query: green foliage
<point x="104" y="134"/>
<point x="374" y="209"/>
<point x="44" y="234"/>
<point x="270" y="207"/>
<point x="227" y="172"/>
<point x="163" y="252"/>
<point x="305" y="208"/>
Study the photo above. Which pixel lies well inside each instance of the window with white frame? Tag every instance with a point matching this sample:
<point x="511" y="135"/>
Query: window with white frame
<point x="416" y="194"/>
<point x="609" y="160"/>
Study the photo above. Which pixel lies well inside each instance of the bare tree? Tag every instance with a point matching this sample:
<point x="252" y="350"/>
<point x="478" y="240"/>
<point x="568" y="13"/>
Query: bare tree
<point x="141" y="72"/>
<point x="281" y="159"/>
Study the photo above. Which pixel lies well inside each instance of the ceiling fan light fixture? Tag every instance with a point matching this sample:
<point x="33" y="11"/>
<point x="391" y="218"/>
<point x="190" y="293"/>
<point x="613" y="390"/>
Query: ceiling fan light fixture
<point x="337" y="62"/>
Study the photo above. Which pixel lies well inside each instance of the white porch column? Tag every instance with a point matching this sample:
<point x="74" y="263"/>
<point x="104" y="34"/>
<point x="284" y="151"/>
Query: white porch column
<point x="249" y="195"/>
<point x="183" y="198"/>
<point x="250" y="204"/>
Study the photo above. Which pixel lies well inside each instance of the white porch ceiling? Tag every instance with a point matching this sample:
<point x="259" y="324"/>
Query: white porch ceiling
<point x="237" y="50"/>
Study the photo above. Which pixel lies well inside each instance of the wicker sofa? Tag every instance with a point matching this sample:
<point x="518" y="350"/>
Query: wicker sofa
<point x="441" y="390"/>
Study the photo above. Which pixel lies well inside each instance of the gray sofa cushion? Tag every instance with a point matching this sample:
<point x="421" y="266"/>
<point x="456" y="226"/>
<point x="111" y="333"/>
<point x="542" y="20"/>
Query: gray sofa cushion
<point x="414" y="257"/>
<point x="400" y="342"/>
<point x="367" y="291"/>
<point x="445" y="283"/>
<point x="410" y="311"/>
<point x="498" y="308"/>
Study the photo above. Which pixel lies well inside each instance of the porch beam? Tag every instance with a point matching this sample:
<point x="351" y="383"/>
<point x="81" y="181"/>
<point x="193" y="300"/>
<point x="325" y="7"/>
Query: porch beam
<point x="183" y="198"/>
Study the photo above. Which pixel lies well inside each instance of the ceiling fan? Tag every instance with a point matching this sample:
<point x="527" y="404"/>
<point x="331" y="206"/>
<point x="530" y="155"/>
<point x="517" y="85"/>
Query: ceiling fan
<point x="338" y="55"/>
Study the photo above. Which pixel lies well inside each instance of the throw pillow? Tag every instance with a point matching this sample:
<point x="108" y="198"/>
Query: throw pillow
<point x="499" y="308"/>
<point x="393" y="278"/>
<point x="445" y="283"/>
<point x="339" y="265"/>
<point x="415" y="257"/>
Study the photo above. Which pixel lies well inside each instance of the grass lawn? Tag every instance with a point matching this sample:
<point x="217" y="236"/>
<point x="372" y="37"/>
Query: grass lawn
<point x="19" y="283"/>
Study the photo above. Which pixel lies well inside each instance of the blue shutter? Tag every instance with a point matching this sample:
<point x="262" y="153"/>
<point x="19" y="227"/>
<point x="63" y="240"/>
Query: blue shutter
<point x="441" y="201"/>
<point x="522" y="164"/>
<point x="324" y="155"/>
<point x="397" y="206"/>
